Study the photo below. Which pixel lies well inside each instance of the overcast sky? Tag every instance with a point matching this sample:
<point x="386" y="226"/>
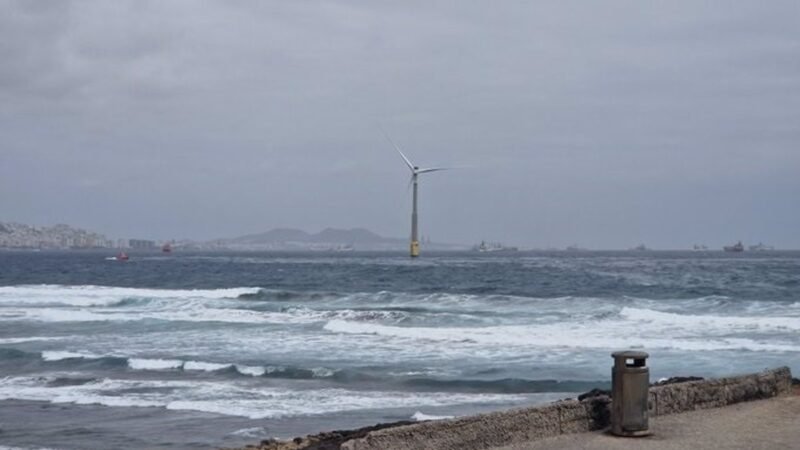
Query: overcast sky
<point x="602" y="124"/>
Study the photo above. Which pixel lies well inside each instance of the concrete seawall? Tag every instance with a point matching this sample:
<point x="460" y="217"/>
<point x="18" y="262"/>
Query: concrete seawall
<point x="713" y="393"/>
<point x="570" y="416"/>
<point x="504" y="428"/>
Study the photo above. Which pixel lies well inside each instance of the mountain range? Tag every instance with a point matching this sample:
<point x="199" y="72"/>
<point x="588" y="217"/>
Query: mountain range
<point x="331" y="236"/>
<point x="333" y="239"/>
<point x="15" y="235"/>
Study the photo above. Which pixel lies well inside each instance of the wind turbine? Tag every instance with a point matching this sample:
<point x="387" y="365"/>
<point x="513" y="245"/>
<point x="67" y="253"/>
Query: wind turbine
<point x="415" y="172"/>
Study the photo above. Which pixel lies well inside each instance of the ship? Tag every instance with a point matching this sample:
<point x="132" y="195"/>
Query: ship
<point x="760" y="247"/>
<point x="485" y="247"/>
<point x="738" y="247"/>
<point x="121" y="256"/>
<point x="166" y="248"/>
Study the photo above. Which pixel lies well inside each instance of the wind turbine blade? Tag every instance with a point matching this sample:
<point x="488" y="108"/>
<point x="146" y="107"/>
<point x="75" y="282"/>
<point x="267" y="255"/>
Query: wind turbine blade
<point x="410" y="181"/>
<point x="433" y="169"/>
<point x="408" y="163"/>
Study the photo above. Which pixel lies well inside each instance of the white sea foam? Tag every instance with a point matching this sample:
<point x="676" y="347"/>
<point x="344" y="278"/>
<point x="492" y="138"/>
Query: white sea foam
<point x="311" y="315"/>
<point x="616" y="332"/>
<point x="204" y="366"/>
<point x="175" y="364"/>
<point x="154" y="364"/>
<point x="20" y="340"/>
<point x="250" y="433"/>
<point x="420" y="416"/>
<point x="106" y="400"/>
<point x="273" y="369"/>
<point x="90" y="295"/>
<point x="206" y="314"/>
<point x="185" y="313"/>
<point x="54" y="315"/>
<point x="59" y="355"/>
<point x="322" y="372"/>
<point x="727" y="323"/>
<point x="425" y="373"/>
<point x="227" y="398"/>
<point x="54" y="303"/>
<point x="274" y="403"/>
<point x="35" y="388"/>
<point x="250" y="370"/>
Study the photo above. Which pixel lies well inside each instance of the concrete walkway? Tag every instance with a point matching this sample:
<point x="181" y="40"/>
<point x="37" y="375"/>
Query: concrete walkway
<point x="764" y="424"/>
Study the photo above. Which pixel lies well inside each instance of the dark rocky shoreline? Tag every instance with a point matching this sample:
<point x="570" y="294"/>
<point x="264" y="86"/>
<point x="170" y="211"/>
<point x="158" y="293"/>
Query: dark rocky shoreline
<point x="327" y="440"/>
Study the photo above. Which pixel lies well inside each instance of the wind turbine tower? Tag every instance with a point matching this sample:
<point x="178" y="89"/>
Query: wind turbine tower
<point x="415" y="172"/>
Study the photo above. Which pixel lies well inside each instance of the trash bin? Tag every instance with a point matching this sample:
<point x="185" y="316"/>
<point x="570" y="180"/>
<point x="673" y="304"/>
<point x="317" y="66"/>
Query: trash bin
<point x="630" y="383"/>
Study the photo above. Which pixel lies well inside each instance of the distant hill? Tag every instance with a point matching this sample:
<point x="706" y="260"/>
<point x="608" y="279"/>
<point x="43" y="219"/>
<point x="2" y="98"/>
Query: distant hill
<point x="15" y="235"/>
<point x="275" y="235"/>
<point x="353" y="235"/>
<point x="329" y="238"/>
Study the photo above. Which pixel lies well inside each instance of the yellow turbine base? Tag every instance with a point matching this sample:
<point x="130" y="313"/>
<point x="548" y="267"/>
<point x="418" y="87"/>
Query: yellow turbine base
<point x="414" y="249"/>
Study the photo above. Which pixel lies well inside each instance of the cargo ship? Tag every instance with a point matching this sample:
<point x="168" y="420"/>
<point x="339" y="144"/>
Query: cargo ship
<point x="485" y="247"/>
<point x="738" y="247"/>
<point x="760" y="247"/>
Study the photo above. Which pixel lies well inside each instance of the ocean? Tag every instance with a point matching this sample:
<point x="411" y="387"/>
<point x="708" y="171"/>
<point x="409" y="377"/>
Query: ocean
<point x="190" y="350"/>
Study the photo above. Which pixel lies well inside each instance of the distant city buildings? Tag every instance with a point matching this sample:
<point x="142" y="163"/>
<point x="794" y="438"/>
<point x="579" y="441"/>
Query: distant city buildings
<point x="142" y="244"/>
<point x="17" y="235"/>
<point x="64" y="237"/>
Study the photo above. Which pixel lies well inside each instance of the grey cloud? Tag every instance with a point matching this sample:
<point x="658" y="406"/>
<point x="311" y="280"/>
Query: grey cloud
<point x="587" y="123"/>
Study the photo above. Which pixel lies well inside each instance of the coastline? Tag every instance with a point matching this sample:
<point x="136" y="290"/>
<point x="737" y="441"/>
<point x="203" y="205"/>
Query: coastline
<point x="520" y="425"/>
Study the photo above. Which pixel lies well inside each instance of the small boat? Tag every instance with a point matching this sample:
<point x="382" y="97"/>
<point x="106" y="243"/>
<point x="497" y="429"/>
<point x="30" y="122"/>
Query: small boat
<point x="122" y="256"/>
<point x="760" y="247"/>
<point x="738" y="247"/>
<point x="166" y="248"/>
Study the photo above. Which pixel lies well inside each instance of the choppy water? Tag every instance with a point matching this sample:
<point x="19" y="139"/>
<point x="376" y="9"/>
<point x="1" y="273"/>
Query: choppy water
<point x="192" y="351"/>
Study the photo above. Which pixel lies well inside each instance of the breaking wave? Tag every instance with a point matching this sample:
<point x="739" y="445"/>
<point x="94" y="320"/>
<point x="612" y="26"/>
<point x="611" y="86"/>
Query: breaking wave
<point x="606" y="331"/>
<point x="76" y="360"/>
<point x="419" y="416"/>
<point x="727" y="323"/>
<point x="90" y="295"/>
<point x="254" y="402"/>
